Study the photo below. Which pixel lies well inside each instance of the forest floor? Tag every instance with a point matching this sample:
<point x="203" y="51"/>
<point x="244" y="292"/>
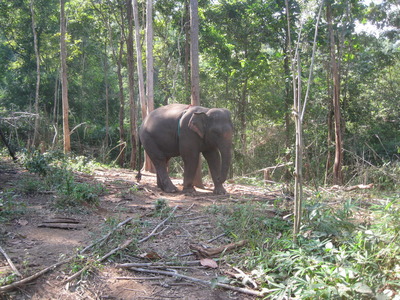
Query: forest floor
<point x="32" y="244"/>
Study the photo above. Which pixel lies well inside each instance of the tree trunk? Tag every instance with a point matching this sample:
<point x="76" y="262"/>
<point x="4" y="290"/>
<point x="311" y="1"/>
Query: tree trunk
<point x="186" y="28"/>
<point x="337" y="167"/>
<point x="35" y="141"/>
<point x="64" y="80"/>
<point x="106" y="138"/>
<point x="194" y="69"/>
<point x="194" y="53"/>
<point x="148" y="165"/>
<point x="132" y="103"/>
<point x="142" y="94"/>
<point x="121" y="155"/>
<point x="149" y="57"/>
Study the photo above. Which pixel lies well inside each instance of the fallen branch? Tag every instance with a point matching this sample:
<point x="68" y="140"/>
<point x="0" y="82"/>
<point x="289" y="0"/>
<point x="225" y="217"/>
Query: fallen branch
<point x="62" y="225"/>
<point x="158" y="264"/>
<point x="354" y="187"/>
<point x="215" y="238"/>
<point x="123" y="246"/>
<point x="101" y="240"/>
<point x="21" y="282"/>
<point x="205" y="282"/>
<point x="212" y="252"/>
<point x="15" y="270"/>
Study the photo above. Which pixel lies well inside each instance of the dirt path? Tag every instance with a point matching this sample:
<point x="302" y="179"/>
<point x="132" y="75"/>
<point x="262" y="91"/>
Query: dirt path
<point x="32" y="247"/>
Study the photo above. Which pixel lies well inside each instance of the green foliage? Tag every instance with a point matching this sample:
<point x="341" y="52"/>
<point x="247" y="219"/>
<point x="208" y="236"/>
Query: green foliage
<point x="5" y="280"/>
<point x="161" y="207"/>
<point x="340" y="253"/>
<point x="10" y="207"/>
<point x="57" y="172"/>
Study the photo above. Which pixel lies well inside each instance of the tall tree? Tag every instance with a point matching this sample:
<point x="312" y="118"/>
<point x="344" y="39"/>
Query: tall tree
<point x="131" y="79"/>
<point x="195" y="72"/>
<point x="142" y="94"/>
<point x="37" y="55"/>
<point x="64" y="79"/>
<point x="337" y="167"/>
<point x="148" y="165"/>
<point x="194" y="52"/>
<point x="149" y="56"/>
<point x="122" y="141"/>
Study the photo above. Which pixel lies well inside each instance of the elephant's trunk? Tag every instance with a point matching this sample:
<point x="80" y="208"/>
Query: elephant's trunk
<point x="226" y="158"/>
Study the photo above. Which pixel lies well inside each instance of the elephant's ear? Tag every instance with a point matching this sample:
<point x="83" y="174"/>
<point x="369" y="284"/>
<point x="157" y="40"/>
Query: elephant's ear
<point x="197" y="123"/>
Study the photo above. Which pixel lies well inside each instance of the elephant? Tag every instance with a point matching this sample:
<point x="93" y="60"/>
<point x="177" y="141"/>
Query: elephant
<point x="186" y="131"/>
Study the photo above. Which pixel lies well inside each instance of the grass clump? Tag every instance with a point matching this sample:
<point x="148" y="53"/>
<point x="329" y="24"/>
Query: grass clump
<point x="10" y="206"/>
<point x="57" y="173"/>
<point x="340" y="254"/>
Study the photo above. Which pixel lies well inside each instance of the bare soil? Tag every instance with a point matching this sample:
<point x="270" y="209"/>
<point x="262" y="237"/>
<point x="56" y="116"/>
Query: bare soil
<point x="33" y="248"/>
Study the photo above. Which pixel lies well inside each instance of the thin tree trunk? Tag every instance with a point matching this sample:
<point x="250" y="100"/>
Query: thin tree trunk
<point x="142" y="94"/>
<point x="121" y="156"/>
<point x="35" y="43"/>
<point x="132" y="103"/>
<point x="337" y="167"/>
<point x="148" y="165"/>
<point x="64" y="79"/>
<point x="186" y="26"/>
<point x="149" y="57"/>
<point x="107" y="137"/>
<point x="195" y="77"/>
<point x="194" y="51"/>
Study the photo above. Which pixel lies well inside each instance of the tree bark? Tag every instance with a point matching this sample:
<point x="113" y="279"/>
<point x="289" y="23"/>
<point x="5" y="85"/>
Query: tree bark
<point x="194" y="71"/>
<point x="64" y="79"/>
<point x="37" y="55"/>
<point x="106" y="138"/>
<point x="337" y="166"/>
<point x="186" y="28"/>
<point x="132" y="103"/>
<point x="194" y="51"/>
<point x="148" y="165"/>
<point x="142" y="94"/>
<point x="121" y="156"/>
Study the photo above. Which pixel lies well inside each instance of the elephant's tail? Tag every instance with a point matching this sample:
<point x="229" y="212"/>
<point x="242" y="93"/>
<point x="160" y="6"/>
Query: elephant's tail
<point x="139" y="165"/>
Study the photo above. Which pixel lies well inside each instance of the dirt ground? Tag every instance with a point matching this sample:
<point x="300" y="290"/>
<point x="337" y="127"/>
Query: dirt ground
<point x="32" y="247"/>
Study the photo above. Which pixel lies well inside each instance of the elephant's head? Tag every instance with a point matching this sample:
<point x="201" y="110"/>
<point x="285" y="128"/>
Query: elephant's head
<point x="215" y="128"/>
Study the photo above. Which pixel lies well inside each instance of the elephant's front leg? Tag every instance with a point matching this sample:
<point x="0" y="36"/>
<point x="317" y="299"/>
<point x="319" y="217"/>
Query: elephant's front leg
<point x="190" y="161"/>
<point x="214" y="164"/>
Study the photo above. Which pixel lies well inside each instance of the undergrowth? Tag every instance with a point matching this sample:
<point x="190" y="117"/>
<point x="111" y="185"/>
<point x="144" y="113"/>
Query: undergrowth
<point x="344" y="251"/>
<point x="57" y="174"/>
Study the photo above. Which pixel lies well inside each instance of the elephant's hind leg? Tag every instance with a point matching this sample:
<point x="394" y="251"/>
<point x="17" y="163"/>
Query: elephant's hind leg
<point x="163" y="180"/>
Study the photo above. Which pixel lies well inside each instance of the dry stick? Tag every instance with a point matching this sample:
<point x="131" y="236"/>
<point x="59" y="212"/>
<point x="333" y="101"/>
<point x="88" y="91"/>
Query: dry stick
<point x="123" y="246"/>
<point x="140" y="278"/>
<point x="106" y="236"/>
<point x="215" y="238"/>
<point x="10" y="262"/>
<point x="16" y="284"/>
<point x="175" y="274"/>
<point x="160" y="264"/>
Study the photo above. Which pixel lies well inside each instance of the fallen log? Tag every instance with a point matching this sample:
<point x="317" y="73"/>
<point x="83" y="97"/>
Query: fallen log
<point x="201" y="281"/>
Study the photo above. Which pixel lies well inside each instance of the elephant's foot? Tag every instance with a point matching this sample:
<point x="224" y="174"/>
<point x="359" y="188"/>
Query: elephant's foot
<point x="189" y="190"/>
<point x="167" y="187"/>
<point x="170" y="189"/>
<point x="219" y="190"/>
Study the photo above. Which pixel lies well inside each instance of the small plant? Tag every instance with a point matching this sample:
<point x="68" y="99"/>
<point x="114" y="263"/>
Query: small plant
<point x="30" y="186"/>
<point x="9" y="206"/>
<point x="36" y="163"/>
<point x="161" y="207"/>
<point x="5" y="280"/>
